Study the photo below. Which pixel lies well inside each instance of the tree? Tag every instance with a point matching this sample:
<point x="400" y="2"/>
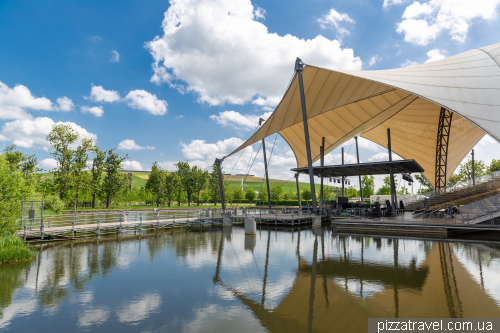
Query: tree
<point x="96" y="171"/>
<point x="187" y="177"/>
<point x="426" y="185"/>
<point x="494" y="166"/>
<point x="213" y="185"/>
<point x="262" y="196"/>
<point x="386" y="188"/>
<point x="238" y="193"/>
<point x="200" y="180"/>
<point x="306" y="194"/>
<point x="114" y="181"/>
<point x="368" y="184"/>
<point x="80" y="158"/>
<point x="61" y="137"/>
<point x="155" y="180"/>
<point x="172" y="185"/>
<point x="466" y="169"/>
<point x="276" y="192"/>
<point x="250" y="194"/>
<point x="24" y="163"/>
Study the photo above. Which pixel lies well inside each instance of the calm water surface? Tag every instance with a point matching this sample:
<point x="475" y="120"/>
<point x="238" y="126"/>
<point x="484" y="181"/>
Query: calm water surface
<point x="215" y="280"/>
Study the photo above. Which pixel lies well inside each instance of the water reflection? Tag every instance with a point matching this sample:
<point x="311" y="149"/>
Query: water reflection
<point x="221" y="280"/>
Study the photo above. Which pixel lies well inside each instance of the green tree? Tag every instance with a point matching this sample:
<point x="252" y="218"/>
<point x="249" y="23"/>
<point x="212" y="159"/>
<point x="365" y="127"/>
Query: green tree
<point x="114" y="181"/>
<point x="155" y="180"/>
<point x="81" y="156"/>
<point x="454" y="179"/>
<point x="368" y="184"/>
<point x="306" y="194"/>
<point x="250" y="194"/>
<point x="96" y="172"/>
<point x="426" y="185"/>
<point x="466" y="169"/>
<point x="172" y="186"/>
<point x="262" y="196"/>
<point x="494" y="166"/>
<point x="200" y="180"/>
<point x="61" y="137"/>
<point x="187" y="178"/>
<point x="238" y="194"/>
<point x="213" y="185"/>
<point x="13" y="186"/>
<point x="276" y="192"/>
<point x="386" y="188"/>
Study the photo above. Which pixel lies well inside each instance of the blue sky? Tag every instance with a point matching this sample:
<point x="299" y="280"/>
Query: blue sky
<point x="187" y="80"/>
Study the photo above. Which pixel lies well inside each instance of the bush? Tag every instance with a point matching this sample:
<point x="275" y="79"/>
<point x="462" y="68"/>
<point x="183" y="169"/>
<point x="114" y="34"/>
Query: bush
<point x="12" y="249"/>
<point x="53" y="203"/>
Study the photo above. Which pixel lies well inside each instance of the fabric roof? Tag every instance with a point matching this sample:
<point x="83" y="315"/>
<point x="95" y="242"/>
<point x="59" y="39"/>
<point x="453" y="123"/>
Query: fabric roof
<point x="363" y="169"/>
<point x="342" y="104"/>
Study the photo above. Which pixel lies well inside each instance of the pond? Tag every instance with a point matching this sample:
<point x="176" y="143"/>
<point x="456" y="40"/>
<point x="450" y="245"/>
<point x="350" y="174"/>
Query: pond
<point x="219" y="280"/>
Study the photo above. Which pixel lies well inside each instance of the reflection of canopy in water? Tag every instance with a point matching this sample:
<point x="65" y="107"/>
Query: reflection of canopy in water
<point x="317" y="302"/>
<point x="342" y="104"/>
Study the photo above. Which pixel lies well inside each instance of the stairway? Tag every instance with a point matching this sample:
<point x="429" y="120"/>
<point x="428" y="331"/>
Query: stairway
<point x="461" y="194"/>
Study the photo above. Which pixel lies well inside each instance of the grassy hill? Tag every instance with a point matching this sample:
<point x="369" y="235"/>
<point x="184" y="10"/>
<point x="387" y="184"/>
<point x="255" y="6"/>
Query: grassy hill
<point x="139" y="179"/>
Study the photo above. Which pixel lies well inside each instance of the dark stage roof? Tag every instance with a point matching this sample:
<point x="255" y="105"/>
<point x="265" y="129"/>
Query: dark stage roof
<point x="362" y="169"/>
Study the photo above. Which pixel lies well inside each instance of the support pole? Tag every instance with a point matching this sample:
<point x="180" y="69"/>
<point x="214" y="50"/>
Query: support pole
<point x="298" y="189"/>
<point x="359" y="177"/>
<point x="473" y="170"/>
<point x="299" y="66"/>
<point x="265" y="168"/>
<point x="343" y="178"/>
<point x="218" y="164"/>
<point x="322" y="163"/>
<point x="393" y="186"/>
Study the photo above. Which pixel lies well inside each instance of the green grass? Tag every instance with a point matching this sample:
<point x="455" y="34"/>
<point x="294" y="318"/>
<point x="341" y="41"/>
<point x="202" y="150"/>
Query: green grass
<point x="13" y="249"/>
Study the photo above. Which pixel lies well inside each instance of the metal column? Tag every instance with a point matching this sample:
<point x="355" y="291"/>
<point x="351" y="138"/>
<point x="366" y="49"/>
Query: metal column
<point x="218" y="164"/>
<point x="265" y="167"/>
<point x="298" y="190"/>
<point x="473" y="169"/>
<point x="299" y="66"/>
<point x="359" y="177"/>
<point x="443" y="137"/>
<point x="343" y="178"/>
<point x="322" y="163"/>
<point x="393" y="185"/>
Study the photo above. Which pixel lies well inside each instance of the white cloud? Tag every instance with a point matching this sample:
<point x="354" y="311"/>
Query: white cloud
<point x="218" y="50"/>
<point x="167" y="165"/>
<point x="199" y="149"/>
<point x="132" y="166"/>
<point x="388" y="3"/>
<point x="131" y="145"/>
<point x="374" y="60"/>
<point x="15" y="101"/>
<point x="95" y="38"/>
<point x="65" y="104"/>
<point x="259" y="13"/>
<point x="139" y="309"/>
<point x="48" y="164"/>
<point x="29" y="133"/>
<point x="115" y="57"/>
<point x="383" y="156"/>
<point x="239" y="121"/>
<point x="95" y="110"/>
<point x="333" y="21"/>
<point x="423" y="22"/>
<point x="143" y="100"/>
<point x="99" y="94"/>
<point x="179" y="116"/>
<point x="409" y="63"/>
<point x="435" y="55"/>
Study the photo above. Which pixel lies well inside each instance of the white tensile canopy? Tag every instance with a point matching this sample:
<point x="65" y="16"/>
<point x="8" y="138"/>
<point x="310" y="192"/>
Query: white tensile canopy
<point x="343" y="104"/>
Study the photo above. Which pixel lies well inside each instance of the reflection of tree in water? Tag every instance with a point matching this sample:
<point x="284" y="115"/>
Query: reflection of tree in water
<point x="53" y="291"/>
<point x="11" y="278"/>
<point x="192" y="243"/>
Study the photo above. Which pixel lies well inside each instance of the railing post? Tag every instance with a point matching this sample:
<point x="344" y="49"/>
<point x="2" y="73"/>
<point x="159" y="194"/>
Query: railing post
<point x="50" y="220"/>
<point x="98" y="225"/>
<point x="24" y="230"/>
<point x="73" y="226"/>
<point x="140" y="224"/>
<point x="42" y="228"/>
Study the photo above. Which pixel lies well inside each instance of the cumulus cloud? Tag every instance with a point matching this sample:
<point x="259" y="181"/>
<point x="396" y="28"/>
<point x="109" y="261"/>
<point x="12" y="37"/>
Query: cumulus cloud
<point x="115" y="56"/>
<point x="132" y="166"/>
<point x="95" y="110"/>
<point x="409" y="63"/>
<point x="131" y="145"/>
<point x="99" y="94"/>
<point x="219" y="51"/>
<point x="383" y="156"/>
<point x="29" y="133"/>
<point x="374" y="60"/>
<point x="48" y="164"/>
<point x="238" y="120"/>
<point x="423" y="22"/>
<point x="65" y="104"/>
<point x="435" y="55"/>
<point x="333" y="19"/>
<point x="143" y="100"/>
<point x="15" y="101"/>
<point x="388" y="3"/>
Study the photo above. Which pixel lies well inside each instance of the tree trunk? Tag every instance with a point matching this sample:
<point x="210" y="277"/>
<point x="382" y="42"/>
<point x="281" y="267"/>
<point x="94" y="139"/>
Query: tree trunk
<point x="93" y="200"/>
<point x="107" y="201"/>
<point x="198" y="198"/>
<point x="158" y="197"/>
<point x="189" y="199"/>
<point x="76" y="199"/>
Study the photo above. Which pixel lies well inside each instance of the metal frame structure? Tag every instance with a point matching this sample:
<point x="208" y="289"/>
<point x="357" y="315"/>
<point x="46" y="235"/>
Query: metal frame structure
<point x="265" y="166"/>
<point x="218" y="164"/>
<point x="443" y="138"/>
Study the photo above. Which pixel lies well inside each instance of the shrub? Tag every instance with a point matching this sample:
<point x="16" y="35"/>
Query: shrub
<point x="12" y="249"/>
<point x="53" y="203"/>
